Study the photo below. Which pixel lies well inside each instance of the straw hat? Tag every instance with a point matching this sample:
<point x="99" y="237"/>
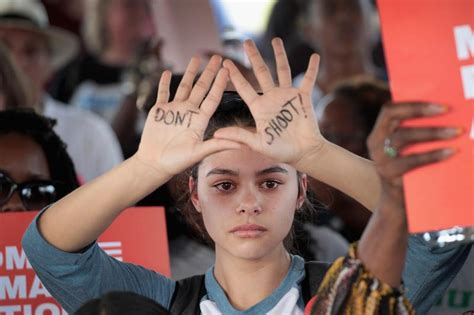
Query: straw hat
<point x="31" y="16"/>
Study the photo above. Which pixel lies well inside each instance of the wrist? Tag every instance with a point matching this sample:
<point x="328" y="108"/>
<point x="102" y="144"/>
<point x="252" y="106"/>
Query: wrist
<point x="146" y="171"/>
<point x="311" y="157"/>
<point x="393" y="211"/>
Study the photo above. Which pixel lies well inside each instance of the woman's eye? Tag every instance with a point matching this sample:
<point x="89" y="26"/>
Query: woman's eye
<point x="226" y="186"/>
<point x="270" y="184"/>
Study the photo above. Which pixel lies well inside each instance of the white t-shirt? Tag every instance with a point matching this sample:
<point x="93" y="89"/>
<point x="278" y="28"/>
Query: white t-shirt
<point x="90" y="141"/>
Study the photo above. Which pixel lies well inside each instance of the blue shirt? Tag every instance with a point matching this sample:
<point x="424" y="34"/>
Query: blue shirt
<point x="75" y="278"/>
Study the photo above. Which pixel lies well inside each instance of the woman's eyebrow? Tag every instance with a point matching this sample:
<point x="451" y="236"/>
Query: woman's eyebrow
<point x="222" y="171"/>
<point x="272" y="169"/>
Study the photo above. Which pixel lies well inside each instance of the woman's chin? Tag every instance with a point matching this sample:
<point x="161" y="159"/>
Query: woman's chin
<point x="250" y="250"/>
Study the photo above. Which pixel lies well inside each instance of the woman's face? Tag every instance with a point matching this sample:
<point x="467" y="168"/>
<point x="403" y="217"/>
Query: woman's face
<point x="247" y="202"/>
<point x="338" y="26"/>
<point x="129" y="23"/>
<point x="22" y="160"/>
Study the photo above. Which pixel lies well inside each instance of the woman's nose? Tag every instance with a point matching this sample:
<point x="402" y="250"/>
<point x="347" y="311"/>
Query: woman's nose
<point x="13" y="204"/>
<point x="249" y="202"/>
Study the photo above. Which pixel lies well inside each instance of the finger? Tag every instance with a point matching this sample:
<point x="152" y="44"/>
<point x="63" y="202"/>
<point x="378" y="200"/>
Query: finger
<point x="407" y="136"/>
<point x="309" y="79"/>
<point x="403" y="111"/>
<point x="397" y="167"/>
<point x="243" y="87"/>
<point x="283" y="66"/>
<point x="212" y="100"/>
<point x="213" y="145"/>
<point x="186" y="83"/>
<point x="238" y="134"/>
<point x="164" y="88"/>
<point x="202" y="85"/>
<point x="259" y="67"/>
<point x="391" y="116"/>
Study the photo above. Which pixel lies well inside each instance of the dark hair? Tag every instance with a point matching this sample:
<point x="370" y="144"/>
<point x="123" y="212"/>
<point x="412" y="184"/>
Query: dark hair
<point x="367" y="96"/>
<point x="25" y="121"/>
<point x="117" y="303"/>
<point x="12" y="84"/>
<point x="232" y="111"/>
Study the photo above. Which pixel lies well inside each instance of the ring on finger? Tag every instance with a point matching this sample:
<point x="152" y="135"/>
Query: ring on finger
<point x="388" y="149"/>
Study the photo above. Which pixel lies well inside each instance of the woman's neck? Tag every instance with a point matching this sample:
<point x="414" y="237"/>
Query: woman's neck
<point x="339" y="67"/>
<point x="247" y="282"/>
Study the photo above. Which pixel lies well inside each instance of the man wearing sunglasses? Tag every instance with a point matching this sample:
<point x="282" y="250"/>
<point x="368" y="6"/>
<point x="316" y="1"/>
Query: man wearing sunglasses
<point x="35" y="169"/>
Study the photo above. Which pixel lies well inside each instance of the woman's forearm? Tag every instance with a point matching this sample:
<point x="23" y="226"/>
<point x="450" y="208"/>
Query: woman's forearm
<point x="345" y="171"/>
<point x="383" y="245"/>
<point x="78" y="219"/>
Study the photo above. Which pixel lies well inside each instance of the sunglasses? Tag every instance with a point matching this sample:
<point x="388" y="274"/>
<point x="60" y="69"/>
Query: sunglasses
<point x="34" y="195"/>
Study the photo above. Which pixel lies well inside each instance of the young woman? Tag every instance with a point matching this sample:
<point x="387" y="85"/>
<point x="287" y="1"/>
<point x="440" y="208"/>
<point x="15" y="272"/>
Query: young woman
<point x="249" y="180"/>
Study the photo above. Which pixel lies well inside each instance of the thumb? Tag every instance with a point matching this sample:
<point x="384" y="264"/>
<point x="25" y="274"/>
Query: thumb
<point x="238" y="134"/>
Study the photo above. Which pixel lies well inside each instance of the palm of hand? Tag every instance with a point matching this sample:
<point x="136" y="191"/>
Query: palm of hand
<point x="284" y="129"/>
<point x="171" y="134"/>
<point x="285" y="121"/>
<point x="172" y="139"/>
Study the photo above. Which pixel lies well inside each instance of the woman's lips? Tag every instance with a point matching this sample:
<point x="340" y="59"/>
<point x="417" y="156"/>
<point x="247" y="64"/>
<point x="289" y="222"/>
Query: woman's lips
<point x="248" y="230"/>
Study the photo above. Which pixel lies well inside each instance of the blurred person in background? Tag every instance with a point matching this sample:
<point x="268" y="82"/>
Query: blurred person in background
<point x="38" y="50"/>
<point x="13" y="88"/>
<point x="35" y="168"/>
<point x="341" y="31"/>
<point x="284" y="22"/>
<point x="66" y="14"/>
<point x="121" y="49"/>
<point x="346" y="116"/>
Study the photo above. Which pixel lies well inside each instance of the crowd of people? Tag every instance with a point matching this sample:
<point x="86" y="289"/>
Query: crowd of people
<point x="282" y="183"/>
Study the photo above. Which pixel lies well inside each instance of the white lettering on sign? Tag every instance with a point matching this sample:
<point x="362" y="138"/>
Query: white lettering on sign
<point x="464" y="38"/>
<point x="467" y="76"/>
<point x="10" y="310"/>
<point x="42" y="309"/>
<point x="16" y="287"/>
<point x="12" y="290"/>
<point x="15" y="258"/>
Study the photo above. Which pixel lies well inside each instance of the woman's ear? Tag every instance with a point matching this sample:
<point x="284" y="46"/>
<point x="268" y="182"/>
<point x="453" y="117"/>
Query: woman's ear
<point x="303" y="186"/>
<point x="192" y="184"/>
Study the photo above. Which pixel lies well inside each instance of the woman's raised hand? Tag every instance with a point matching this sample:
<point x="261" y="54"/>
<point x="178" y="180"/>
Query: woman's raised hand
<point x="286" y="126"/>
<point x="172" y="139"/>
<point x="389" y="137"/>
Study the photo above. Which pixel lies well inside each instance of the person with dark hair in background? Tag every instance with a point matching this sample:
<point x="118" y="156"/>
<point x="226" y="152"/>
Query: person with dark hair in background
<point x="122" y="51"/>
<point x="346" y="116"/>
<point x="341" y="32"/>
<point x="38" y="50"/>
<point x="35" y="168"/>
<point x="121" y="303"/>
<point x="284" y="22"/>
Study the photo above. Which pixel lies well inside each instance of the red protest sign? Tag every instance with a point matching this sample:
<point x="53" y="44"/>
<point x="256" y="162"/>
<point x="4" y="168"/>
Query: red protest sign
<point x="137" y="236"/>
<point x="429" y="48"/>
